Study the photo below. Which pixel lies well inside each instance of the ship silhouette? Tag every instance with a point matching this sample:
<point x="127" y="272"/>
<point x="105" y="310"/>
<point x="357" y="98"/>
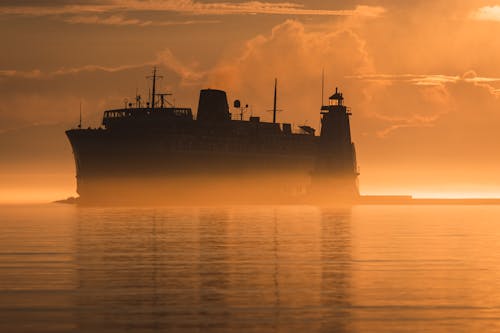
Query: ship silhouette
<point x="160" y="153"/>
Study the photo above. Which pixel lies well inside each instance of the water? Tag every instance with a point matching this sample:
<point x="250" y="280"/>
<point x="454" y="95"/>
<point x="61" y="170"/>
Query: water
<point x="250" y="269"/>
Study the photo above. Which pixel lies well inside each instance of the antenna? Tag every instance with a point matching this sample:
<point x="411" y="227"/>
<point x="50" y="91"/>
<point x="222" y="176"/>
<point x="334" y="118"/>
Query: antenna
<point x="154" y="90"/>
<point x="275" y="110"/>
<point x="243" y="110"/>
<point x="237" y="105"/>
<point x="275" y="97"/>
<point x="80" y="123"/>
<point x="163" y="100"/>
<point x="323" y="87"/>
<point x="137" y="98"/>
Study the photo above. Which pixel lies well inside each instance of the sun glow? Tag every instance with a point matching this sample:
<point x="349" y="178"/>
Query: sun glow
<point x="456" y="195"/>
<point x="35" y="188"/>
<point x="33" y="196"/>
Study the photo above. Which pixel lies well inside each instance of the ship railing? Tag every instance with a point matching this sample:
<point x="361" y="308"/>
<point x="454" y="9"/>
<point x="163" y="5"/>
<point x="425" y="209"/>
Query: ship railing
<point x="125" y="113"/>
<point x="182" y="112"/>
<point x="117" y="113"/>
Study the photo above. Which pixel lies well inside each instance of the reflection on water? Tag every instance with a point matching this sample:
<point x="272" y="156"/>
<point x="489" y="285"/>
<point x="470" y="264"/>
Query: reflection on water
<point x="336" y="264"/>
<point x="225" y="269"/>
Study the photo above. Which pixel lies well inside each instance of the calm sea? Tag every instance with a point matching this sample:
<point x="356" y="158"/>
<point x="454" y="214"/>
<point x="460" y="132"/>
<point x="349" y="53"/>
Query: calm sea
<point x="250" y="269"/>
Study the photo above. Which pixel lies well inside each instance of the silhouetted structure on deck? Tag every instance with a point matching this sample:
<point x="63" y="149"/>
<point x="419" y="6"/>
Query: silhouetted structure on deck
<point x="336" y="170"/>
<point x="161" y="153"/>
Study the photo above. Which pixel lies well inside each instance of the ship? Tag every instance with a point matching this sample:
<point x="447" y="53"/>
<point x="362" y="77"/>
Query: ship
<point x="161" y="153"/>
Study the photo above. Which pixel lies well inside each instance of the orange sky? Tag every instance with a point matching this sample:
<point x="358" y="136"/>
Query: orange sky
<point x="422" y="78"/>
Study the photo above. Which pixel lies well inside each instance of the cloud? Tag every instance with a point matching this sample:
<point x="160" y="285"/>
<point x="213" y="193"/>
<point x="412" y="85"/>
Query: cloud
<point x="422" y="100"/>
<point x="409" y="123"/>
<point x="39" y="74"/>
<point x="188" y="74"/>
<point x="434" y="80"/>
<point x="108" y="20"/>
<point x="416" y="79"/>
<point x="34" y="74"/>
<point x="119" y="20"/>
<point x="296" y="56"/>
<point x="399" y="105"/>
<point x="191" y="7"/>
<point x="486" y="13"/>
<point x="487" y="83"/>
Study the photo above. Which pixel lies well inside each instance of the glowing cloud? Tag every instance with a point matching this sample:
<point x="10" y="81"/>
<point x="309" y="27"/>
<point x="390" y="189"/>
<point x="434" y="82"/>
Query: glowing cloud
<point x="434" y="80"/>
<point x="119" y="20"/>
<point x="192" y="7"/>
<point x="486" y="13"/>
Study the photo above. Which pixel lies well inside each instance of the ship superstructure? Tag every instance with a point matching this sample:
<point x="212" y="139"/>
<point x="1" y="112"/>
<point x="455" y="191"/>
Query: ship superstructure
<point x="161" y="153"/>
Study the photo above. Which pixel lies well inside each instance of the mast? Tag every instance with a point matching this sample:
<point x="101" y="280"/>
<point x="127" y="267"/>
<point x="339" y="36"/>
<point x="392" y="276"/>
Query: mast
<point x="275" y="98"/>
<point x="154" y="90"/>
<point x="80" y="123"/>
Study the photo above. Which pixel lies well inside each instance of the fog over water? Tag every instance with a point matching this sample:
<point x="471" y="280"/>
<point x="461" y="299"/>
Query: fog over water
<point x="422" y="79"/>
<point x="65" y="268"/>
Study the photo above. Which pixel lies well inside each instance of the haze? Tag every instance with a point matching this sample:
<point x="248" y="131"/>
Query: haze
<point x="422" y="78"/>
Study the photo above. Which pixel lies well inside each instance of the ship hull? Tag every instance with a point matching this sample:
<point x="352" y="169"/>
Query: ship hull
<point x="165" y="168"/>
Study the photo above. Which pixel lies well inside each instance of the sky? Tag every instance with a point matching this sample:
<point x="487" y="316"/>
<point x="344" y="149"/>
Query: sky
<point x="422" y="78"/>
